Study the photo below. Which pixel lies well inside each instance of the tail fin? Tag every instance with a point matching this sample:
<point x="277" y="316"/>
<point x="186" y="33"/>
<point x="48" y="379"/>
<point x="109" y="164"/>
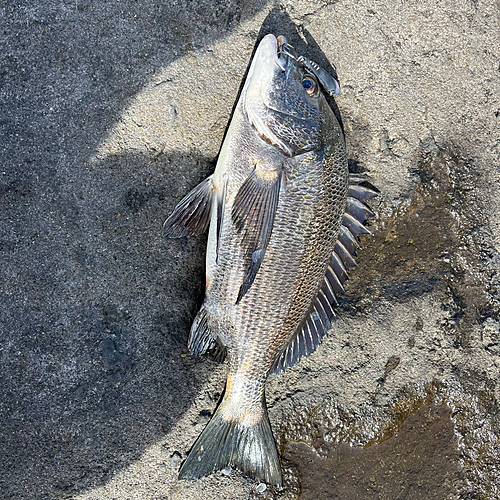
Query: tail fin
<point x="249" y="447"/>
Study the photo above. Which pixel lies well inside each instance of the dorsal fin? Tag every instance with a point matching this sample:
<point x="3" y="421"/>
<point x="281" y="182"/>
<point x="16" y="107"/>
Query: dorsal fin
<point x="318" y="321"/>
<point x="361" y="189"/>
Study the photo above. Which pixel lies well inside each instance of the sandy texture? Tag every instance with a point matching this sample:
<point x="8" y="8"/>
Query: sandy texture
<point x="109" y="113"/>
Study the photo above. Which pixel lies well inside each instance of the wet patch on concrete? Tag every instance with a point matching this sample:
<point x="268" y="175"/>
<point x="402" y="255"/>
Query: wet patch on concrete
<point x="440" y="242"/>
<point x="436" y="239"/>
<point x="420" y="462"/>
<point x="438" y="440"/>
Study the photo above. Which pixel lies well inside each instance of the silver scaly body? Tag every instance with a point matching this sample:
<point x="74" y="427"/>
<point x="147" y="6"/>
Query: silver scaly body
<point x="279" y="206"/>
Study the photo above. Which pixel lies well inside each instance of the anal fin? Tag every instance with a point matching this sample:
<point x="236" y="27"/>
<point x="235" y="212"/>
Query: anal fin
<point x="202" y="340"/>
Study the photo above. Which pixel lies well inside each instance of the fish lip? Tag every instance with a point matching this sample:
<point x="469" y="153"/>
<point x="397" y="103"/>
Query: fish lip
<point x="278" y="43"/>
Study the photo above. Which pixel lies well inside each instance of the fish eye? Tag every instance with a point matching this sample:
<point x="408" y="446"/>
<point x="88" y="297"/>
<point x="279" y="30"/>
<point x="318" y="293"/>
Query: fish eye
<point x="309" y="84"/>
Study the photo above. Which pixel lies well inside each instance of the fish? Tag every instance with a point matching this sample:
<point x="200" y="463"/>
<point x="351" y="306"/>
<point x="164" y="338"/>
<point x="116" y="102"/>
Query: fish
<point x="284" y="217"/>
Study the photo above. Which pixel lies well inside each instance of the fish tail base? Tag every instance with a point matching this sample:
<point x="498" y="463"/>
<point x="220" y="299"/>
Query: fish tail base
<point x="249" y="447"/>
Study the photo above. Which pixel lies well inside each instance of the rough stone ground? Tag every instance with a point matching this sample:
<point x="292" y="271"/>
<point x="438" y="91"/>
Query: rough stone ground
<point x="109" y="113"/>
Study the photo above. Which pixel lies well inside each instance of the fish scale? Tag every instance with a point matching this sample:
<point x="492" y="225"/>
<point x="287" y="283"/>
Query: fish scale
<point x="276" y="254"/>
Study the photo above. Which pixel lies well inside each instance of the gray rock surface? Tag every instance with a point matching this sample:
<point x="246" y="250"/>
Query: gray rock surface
<point x="109" y="113"/>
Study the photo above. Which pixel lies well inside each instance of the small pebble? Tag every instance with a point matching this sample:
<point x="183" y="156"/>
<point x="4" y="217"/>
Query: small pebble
<point x="261" y="488"/>
<point x="175" y="460"/>
<point x="227" y="471"/>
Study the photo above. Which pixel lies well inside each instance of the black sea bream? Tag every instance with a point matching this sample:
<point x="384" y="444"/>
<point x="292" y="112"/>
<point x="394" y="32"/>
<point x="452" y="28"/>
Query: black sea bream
<point x="284" y="216"/>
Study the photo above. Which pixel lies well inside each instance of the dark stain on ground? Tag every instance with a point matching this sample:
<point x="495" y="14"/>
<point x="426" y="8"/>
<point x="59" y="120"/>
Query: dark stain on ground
<point x="439" y="240"/>
<point x="420" y="462"/>
<point x="392" y="363"/>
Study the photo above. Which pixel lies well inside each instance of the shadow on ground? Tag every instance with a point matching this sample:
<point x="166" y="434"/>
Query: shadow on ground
<point x="95" y="307"/>
<point x="95" y="325"/>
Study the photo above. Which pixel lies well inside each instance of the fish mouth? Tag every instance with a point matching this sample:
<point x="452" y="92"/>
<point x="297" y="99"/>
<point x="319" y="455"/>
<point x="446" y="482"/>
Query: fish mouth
<point x="279" y="48"/>
<point x="281" y="45"/>
<point x="285" y="52"/>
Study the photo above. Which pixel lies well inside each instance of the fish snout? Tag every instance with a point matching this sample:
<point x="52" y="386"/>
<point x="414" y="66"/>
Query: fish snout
<point x="269" y="51"/>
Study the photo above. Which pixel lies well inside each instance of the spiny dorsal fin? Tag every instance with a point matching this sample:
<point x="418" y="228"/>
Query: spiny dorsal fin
<point x="319" y="319"/>
<point x="361" y="189"/>
<point x="253" y="216"/>
<point x="192" y="214"/>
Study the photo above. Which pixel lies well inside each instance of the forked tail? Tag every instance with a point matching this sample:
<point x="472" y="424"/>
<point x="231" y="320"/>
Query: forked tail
<point x="243" y="441"/>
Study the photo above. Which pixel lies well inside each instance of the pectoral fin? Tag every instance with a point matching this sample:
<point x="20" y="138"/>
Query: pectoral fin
<point x="253" y="215"/>
<point x="192" y="214"/>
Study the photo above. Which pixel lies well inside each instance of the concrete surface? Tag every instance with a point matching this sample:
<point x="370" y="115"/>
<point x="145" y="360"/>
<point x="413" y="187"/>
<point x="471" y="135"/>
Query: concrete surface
<point x="109" y="113"/>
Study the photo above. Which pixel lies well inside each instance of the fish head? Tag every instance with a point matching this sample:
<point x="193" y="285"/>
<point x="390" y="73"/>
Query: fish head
<point x="283" y="99"/>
